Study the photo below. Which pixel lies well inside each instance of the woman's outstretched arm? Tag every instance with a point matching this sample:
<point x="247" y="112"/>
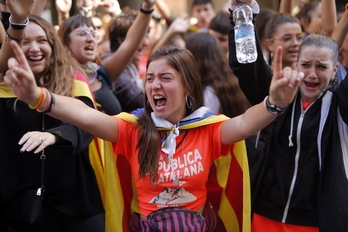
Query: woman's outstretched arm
<point x="21" y="79"/>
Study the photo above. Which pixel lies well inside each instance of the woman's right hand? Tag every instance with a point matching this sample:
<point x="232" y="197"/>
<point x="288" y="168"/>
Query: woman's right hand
<point x="20" y="77"/>
<point x="37" y="141"/>
<point x="20" y="9"/>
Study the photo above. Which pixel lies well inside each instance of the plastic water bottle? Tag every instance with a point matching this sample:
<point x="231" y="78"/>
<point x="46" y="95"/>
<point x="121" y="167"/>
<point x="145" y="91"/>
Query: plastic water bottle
<point x="244" y="34"/>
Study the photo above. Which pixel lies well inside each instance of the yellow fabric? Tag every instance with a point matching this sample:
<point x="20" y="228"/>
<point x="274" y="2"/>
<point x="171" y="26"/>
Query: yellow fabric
<point x="5" y="91"/>
<point x="112" y="193"/>
<point x="225" y="211"/>
<point x="104" y="163"/>
<point x="81" y="88"/>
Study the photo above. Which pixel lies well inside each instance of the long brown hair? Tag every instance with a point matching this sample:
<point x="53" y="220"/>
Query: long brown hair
<point x="148" y="144"/>
<point x="215" y="72"/>
<point x="59" y="74"/>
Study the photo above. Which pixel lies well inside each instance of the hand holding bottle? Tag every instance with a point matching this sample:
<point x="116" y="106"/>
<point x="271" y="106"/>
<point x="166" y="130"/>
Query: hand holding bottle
<point x="244" y="33"/>
<point x="251" y="3"/>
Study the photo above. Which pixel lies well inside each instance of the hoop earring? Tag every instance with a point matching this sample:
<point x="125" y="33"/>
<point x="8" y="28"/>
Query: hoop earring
<point x="188" y="102"/>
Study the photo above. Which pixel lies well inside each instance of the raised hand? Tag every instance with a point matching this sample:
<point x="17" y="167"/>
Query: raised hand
<point x="148" y="4"/>
<point x="63" y="6"/>
<point x="20" y="9"/>
<point x="252" y="3"/>
<point x="111" y="6"/>
<point x="284" y="83"/>
<point x="235" y="2"/>
<point x="20" y="77"/>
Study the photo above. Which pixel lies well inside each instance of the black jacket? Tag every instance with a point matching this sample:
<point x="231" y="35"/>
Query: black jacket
<point x="299" y="174"/>
<point x="71" y="185"/>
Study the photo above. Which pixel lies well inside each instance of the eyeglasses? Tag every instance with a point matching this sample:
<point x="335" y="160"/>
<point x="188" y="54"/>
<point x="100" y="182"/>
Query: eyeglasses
<point x="86" y="32"/>
<point x="290" y="38"/>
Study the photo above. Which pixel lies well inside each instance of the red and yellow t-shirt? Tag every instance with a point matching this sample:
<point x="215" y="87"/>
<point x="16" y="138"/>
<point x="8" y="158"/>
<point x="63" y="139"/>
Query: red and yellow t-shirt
<point x="190" y="164"/>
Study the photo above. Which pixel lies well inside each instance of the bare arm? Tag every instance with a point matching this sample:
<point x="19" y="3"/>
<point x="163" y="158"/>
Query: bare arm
<point x="328" y="16"/>
<point x="283" y="89"/>
<point x="39" y="7"/>
<point x="119" y="60"/>
<point x="179" y="25"/>
<point x="341" y="30"/>
<point x="74" y="111"/>
<point x="2" y="33"/>
<point x="20" y="10"/>
<point x="67" y="109"/>
<point x="286" y="6"/>
<point x="164" y="10"/>
<point x="63" y="8"/>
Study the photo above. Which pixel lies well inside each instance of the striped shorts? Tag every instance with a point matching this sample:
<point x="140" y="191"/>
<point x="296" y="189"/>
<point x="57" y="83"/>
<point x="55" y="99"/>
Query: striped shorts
<point x="174" y="219"/>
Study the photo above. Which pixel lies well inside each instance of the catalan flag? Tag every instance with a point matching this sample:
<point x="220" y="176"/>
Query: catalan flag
<point x="228" y="185"/>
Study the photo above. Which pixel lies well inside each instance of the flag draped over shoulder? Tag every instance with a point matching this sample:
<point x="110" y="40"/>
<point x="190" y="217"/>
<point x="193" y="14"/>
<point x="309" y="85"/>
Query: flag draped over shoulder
<point x="228" y="184"/>
<point x="229" y="189"/>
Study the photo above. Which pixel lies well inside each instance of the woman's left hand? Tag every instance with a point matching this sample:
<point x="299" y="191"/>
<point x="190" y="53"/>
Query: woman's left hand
<point x="36" y="140"/>
<point x="285" y="82"/>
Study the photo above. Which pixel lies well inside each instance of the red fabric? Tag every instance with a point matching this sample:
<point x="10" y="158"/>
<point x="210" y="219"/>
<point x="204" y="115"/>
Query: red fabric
<point x="305" y="105"/>
<point x="235" y="177"/>
<point x="262" y="224"/>
<point x="125" y="176"/>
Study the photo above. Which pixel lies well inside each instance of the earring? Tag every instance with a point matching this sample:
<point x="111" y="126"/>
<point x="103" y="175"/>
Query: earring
<point x="188" y="102"/>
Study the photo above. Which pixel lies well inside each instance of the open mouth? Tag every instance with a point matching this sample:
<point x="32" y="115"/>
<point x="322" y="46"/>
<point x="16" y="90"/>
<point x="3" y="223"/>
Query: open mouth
<point x="311" y="84"/>
<point x="35" y="59"/>
<point x="159" y="101"/>
<point x="89" y="48"/>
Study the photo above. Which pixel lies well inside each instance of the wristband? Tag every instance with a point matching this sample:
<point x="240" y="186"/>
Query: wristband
<point x="146" y="11"/>
<point x="40" y="101"/>
<point x="18" y="26"/>
<point x="20" y="40"/>
<point x="273" y="109"/>
<point x="51" y="103"/>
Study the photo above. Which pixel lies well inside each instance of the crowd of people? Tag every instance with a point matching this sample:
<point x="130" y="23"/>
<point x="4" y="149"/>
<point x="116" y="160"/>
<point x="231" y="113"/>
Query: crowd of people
<point x="163" y="99"/>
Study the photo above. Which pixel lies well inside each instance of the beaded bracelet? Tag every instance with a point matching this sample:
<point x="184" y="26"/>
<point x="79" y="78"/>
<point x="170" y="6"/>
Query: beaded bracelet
<point x="51" y="103"/>
<point x="146" y="11"/>
<point x="15" y="39"/>
<point x="18" y="26"/>
<point x="41" y="100"/>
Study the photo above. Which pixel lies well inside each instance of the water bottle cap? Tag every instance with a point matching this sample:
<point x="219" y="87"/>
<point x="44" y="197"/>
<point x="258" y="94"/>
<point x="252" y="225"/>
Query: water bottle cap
<point x="253" y="4"/>
<point x="242" y="13"/>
